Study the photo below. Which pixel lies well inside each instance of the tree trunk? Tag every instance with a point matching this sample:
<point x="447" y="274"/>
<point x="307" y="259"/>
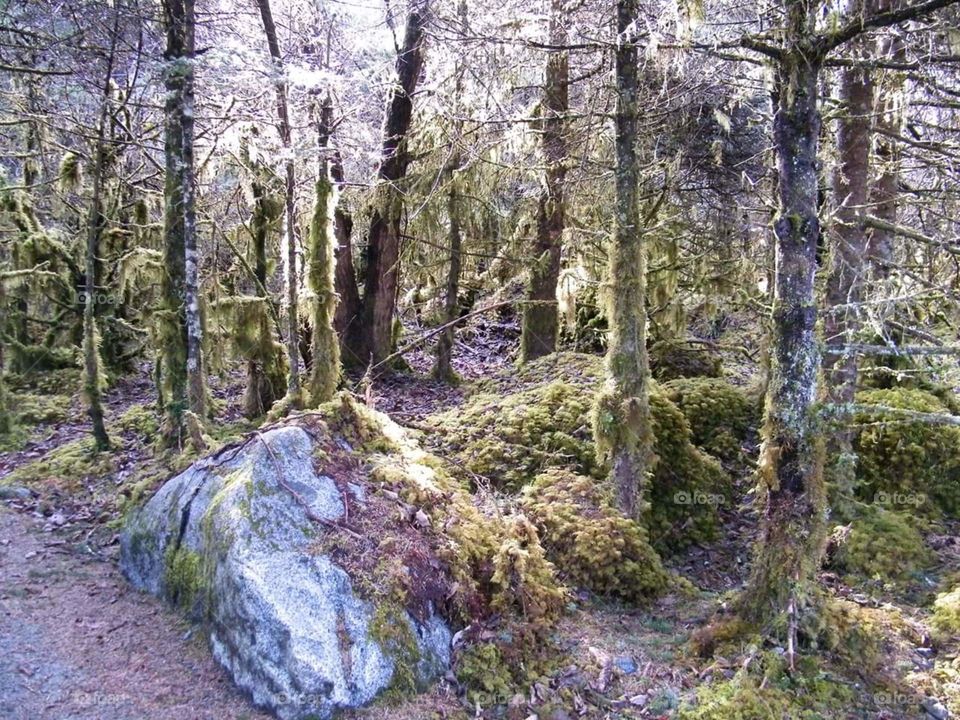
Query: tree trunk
<point x="290" y="220"/>
<point x="848" y="262"/>
<point x="373" y="338"/>
<point x="886" y="187"/>
<point x="622" y="414"/>
<point x="95" y="225"/>
<point x="182" y="364"/>
<point x="325" y="373"/>
<point x="540" y="314"/>
<point x="793" y="525"/>
<point x="443" y="366"/>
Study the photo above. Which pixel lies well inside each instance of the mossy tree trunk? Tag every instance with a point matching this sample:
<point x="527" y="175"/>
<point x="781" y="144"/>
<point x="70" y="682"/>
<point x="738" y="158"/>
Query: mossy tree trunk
<point x="372" y="338"/>
<point x="96" y="222"/>
<point x="793" y="524"/>
<point x="848" y="267"/>
<point x="325" y="373"/>
<point x="443" y="365"/>
<point x="622" y="414"/>
<point x="265" y="367"/>
<point x="541" y="320"/>
<point x="183" y="382"/>
<point x="290" y="220"/>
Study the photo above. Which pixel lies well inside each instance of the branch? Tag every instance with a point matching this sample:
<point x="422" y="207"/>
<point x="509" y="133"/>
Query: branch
<point x="878" y="224"/>
<point x="858" y="26"/>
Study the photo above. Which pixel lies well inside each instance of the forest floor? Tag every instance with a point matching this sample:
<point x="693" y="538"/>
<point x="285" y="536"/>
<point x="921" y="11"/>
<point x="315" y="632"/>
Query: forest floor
<point x="76" y="641"/>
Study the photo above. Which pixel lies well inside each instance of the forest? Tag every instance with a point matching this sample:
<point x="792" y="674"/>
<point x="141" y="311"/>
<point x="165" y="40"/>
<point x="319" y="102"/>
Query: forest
<point x="539" y="359"/>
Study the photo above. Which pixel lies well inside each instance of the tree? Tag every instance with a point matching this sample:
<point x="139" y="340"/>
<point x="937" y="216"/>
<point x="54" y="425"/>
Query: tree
<point x="182" y="337"/>
<point x="793" y="527"/>
<point x="540" y="316"/>
<point x="325" y="372"/>
<point x="443" y="365"/>
<point x="371" y="340"/>
<point x="95" y="225"/>
<point x="622" y="414"/>
<point x="290" y="219"/>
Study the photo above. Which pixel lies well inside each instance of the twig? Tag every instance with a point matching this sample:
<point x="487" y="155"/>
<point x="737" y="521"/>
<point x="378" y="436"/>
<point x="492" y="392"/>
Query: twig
<point x="299" y="498"/>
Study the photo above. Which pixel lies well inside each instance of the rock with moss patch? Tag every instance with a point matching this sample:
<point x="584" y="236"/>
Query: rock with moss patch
<point x="232" y="541"/>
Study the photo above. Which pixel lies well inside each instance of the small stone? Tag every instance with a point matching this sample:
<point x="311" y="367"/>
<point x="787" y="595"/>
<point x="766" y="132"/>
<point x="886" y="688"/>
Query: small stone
<point x="15" y="492"/>
<point x="638" y="700"/>
<point x="935" y="709"/>
<point x="626" y="664"/>
<point x="358" y="492"/>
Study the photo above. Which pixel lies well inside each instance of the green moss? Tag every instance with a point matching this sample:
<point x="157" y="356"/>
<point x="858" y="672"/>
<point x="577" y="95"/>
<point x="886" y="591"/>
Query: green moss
<point x="507" y="439"/>
<point x="739" y="699"/>
<point x="482" y="670"/>
<point x="721" y="416"/>
<point x="881" y="545"/>
<point x="946" y="615"/>
<point x="768" y="691"/>
<point x="140" y="421"/>
<point x="67" y="465"/>
<point x="912" y="466"/>
<point x="391" y="629"/>
<point x="32" y="409"/>
<point x="670" y="360"/>
<point x="590" y="541"/>
<point x="183" y="577"/>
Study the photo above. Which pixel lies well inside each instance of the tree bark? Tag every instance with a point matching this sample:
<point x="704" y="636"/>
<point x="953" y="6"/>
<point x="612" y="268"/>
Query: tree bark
<point x="886" y="187"/>
<point x="290" y="219"/>
<point x="849" y="265"/>
<point x="372" y="339"/>
<point x="325" y="373"/>
<point x="95" y="225"/>
<point x="443" y="366"/>
<point x="182" y="334"/>
<point x="793" y="524"/>
<point x="540" y="325"/>
<point x="622" y="414"/>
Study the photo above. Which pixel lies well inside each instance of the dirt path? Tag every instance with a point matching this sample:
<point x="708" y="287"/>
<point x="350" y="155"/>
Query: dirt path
<point x="76" y="641"/>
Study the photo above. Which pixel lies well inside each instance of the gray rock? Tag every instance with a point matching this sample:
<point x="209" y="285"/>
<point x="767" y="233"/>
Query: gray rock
<point x="226" y="540"/>
<point x="15" y="492"/>
<point x="626" y="664"/>
<point x="935" y="709"/>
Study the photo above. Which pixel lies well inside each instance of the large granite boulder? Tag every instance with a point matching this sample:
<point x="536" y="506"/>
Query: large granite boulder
<point x="243" y="541"/>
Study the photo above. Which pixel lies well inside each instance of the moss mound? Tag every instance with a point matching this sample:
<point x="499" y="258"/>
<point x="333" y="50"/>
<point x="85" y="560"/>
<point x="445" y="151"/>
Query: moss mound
<point x="66" y="466"/>
<point x="508" y="438"/>
<point x="720" y="415"/>
<point x="29" y="409"/>
<point x="881" y="545"/>
<point x="946" y="615"/>
<point x="739" y="699"/>
<point x="591" y="542"/>
<point x="671" y="360"/>
<point x="908" y="465"/>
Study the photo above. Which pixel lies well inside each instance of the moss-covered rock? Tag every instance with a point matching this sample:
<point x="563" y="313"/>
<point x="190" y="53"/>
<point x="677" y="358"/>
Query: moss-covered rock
<point x="721" y="415"/>
<point x="670" y="360"/>
<point x="508" y="439"/>
<point x="908" y="464"/>
<point x="880" y="545"/>
<point x="591" y="542"/>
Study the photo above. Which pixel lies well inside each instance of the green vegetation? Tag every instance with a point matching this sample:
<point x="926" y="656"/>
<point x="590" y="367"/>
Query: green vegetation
<point x="908" y="464"/>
